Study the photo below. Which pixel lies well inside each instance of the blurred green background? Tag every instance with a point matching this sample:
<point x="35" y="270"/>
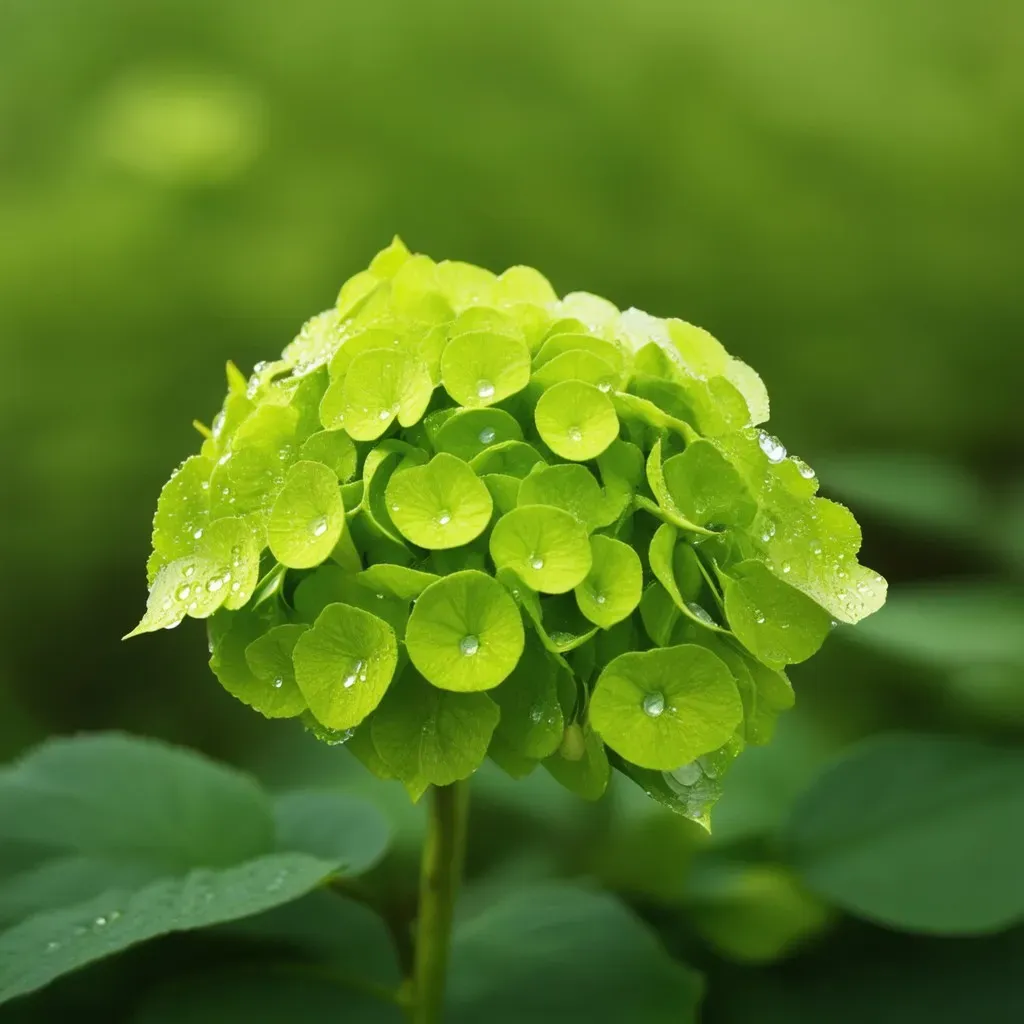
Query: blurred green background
<point x="834" y="190"/>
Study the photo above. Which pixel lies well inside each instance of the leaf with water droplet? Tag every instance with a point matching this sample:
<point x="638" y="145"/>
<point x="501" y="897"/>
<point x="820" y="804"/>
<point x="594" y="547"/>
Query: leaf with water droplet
<point x="531" y="722"/>
<point x="706" y="488"/>
<point x="576" y="364"/>
<point x="510" y="458"/>
<point x="334" y="448"/>
<point x="269" y="658"/>
<point x="613" y="587"/>
<point x="700" y="706"/>
<point x="482" y="368"/>
<point x="572" y="487"/>
<point x="443" y="504"/>
<point x="308" y="516"/>
<point x="424" y="732"/>
<point x="345" y="643"/>
<point x="576" y="420"/>
<point x="775" y="622"/>
<point x="380" y="386"/>
<point x="465" y="604"/>
<point x="183" y="508"/>
<point x="199" y="584"/>
<point x="676" y="566"/>
<point x="469" y="431"/>
<point x="545" y="546"/>
<point x="231" y="634"/>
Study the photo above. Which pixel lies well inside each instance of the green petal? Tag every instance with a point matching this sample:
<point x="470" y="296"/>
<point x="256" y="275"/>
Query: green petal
<point x="531" y="723"/>
<point x="223" y="569"/>
<point x="612" y="589"/>
<point x="478" y="319"/>
<point x="443" y="504"/>
<point x="523" y="284"/>
<point x="470" y="431"/>
<point x="576" y="420"/>
<point x="465" y="632"/>
<point x="545" y="546"/>
<point x="664" y="708"/>
<point x="423" y="732"/>
<point x="576" y="364"/>
<point x="504" y="491"/>
<point x="511" y="458"/>
<point x="674" y="564"/>
<point x="331" y="584"/>
<point x="380" y="337"/>
<point x="333" y="448"/>
<point x="396" y="580"/>
<point x="775" y="622"/>
<point x="571" y="487"/>
<point x="344" y="663"/>
<point x="482" y="368"/>
<point x="621" y="466"/>
<point x="379" y="387"/>
<point x="269" y="658"/>
<point x="706" y="488"/>
<point x="230" y="634"/>
<point x="667" y="508"/>
<point x="558" y="344"/>
<point x="308" y="516"/>
<point x="581" y="769"/>
<point x="182" y="509"/>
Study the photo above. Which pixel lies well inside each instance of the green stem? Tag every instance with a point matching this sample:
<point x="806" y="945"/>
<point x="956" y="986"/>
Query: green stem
<point x="443" y="854"/>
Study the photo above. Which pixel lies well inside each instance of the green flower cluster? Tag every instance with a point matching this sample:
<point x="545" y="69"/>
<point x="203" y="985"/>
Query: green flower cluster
<point x="461" y="517"/>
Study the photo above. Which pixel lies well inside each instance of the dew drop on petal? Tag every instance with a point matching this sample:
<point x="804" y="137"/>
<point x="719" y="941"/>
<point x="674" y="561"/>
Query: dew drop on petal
<point x="469" y="645"/>
<point x="575" y="434"/>
<point x="198" y="534"/>
<point x="444" y="517"/>
<point x="354" y="676"/>
<point x="487" y="435"/>
<point x="318" y="527"/>
<point x="700" y="613"/>
<point x="773" y="448"/>
<point x="654" y="704"/>
<point x="537" y="562"/>
<point x="384" y="414"/>
<point x="786" y="567"/>
<point x="278" y="683"/>
<point x="484" y="389"/>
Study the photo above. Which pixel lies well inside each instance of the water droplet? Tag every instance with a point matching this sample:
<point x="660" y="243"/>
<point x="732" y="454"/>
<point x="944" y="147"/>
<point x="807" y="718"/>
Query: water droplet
<point x="100" y="922"/>
<point x="114" y="915"/>
<point x="278" y="683"/>
<point x="396" y="508"/>
<point x="804" y="470"/>
<point x="484" y="389"/>
<point x="350" y="680"/>
<point x="218" y="424"/>
<point x="685" y="775"/>
<point x="575" y="434"/>
<point x="236" y="587"/>
<point x="444" y="517"/>
<point x="183" y="593"/>
<point x="786" y="567"/>
<point x="700" y="613"/>
<point x="215" y="584"/>
<point x="226" y="457"/>
<point x="768" y="531"/>
<point x="833" y="623"/>
<point x="198" y="534"/>
<point x="318" y="527"/>
<point x="384" y="414"/>
<point x="654" y="704"/>
<point x="536" y="714"/>
<point x="469" y="645"/>
<point x="487" y="435"/>
<point x="759" y="618"/>
<point x="604" y="386"/>
<point x="560" y="638"/>
<point x="536" y="562"/>
<point x="599" y="598"/>
<point x="52" y="947"/>
<point x="816" y="549"/>
<point x="773" y="448"/>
